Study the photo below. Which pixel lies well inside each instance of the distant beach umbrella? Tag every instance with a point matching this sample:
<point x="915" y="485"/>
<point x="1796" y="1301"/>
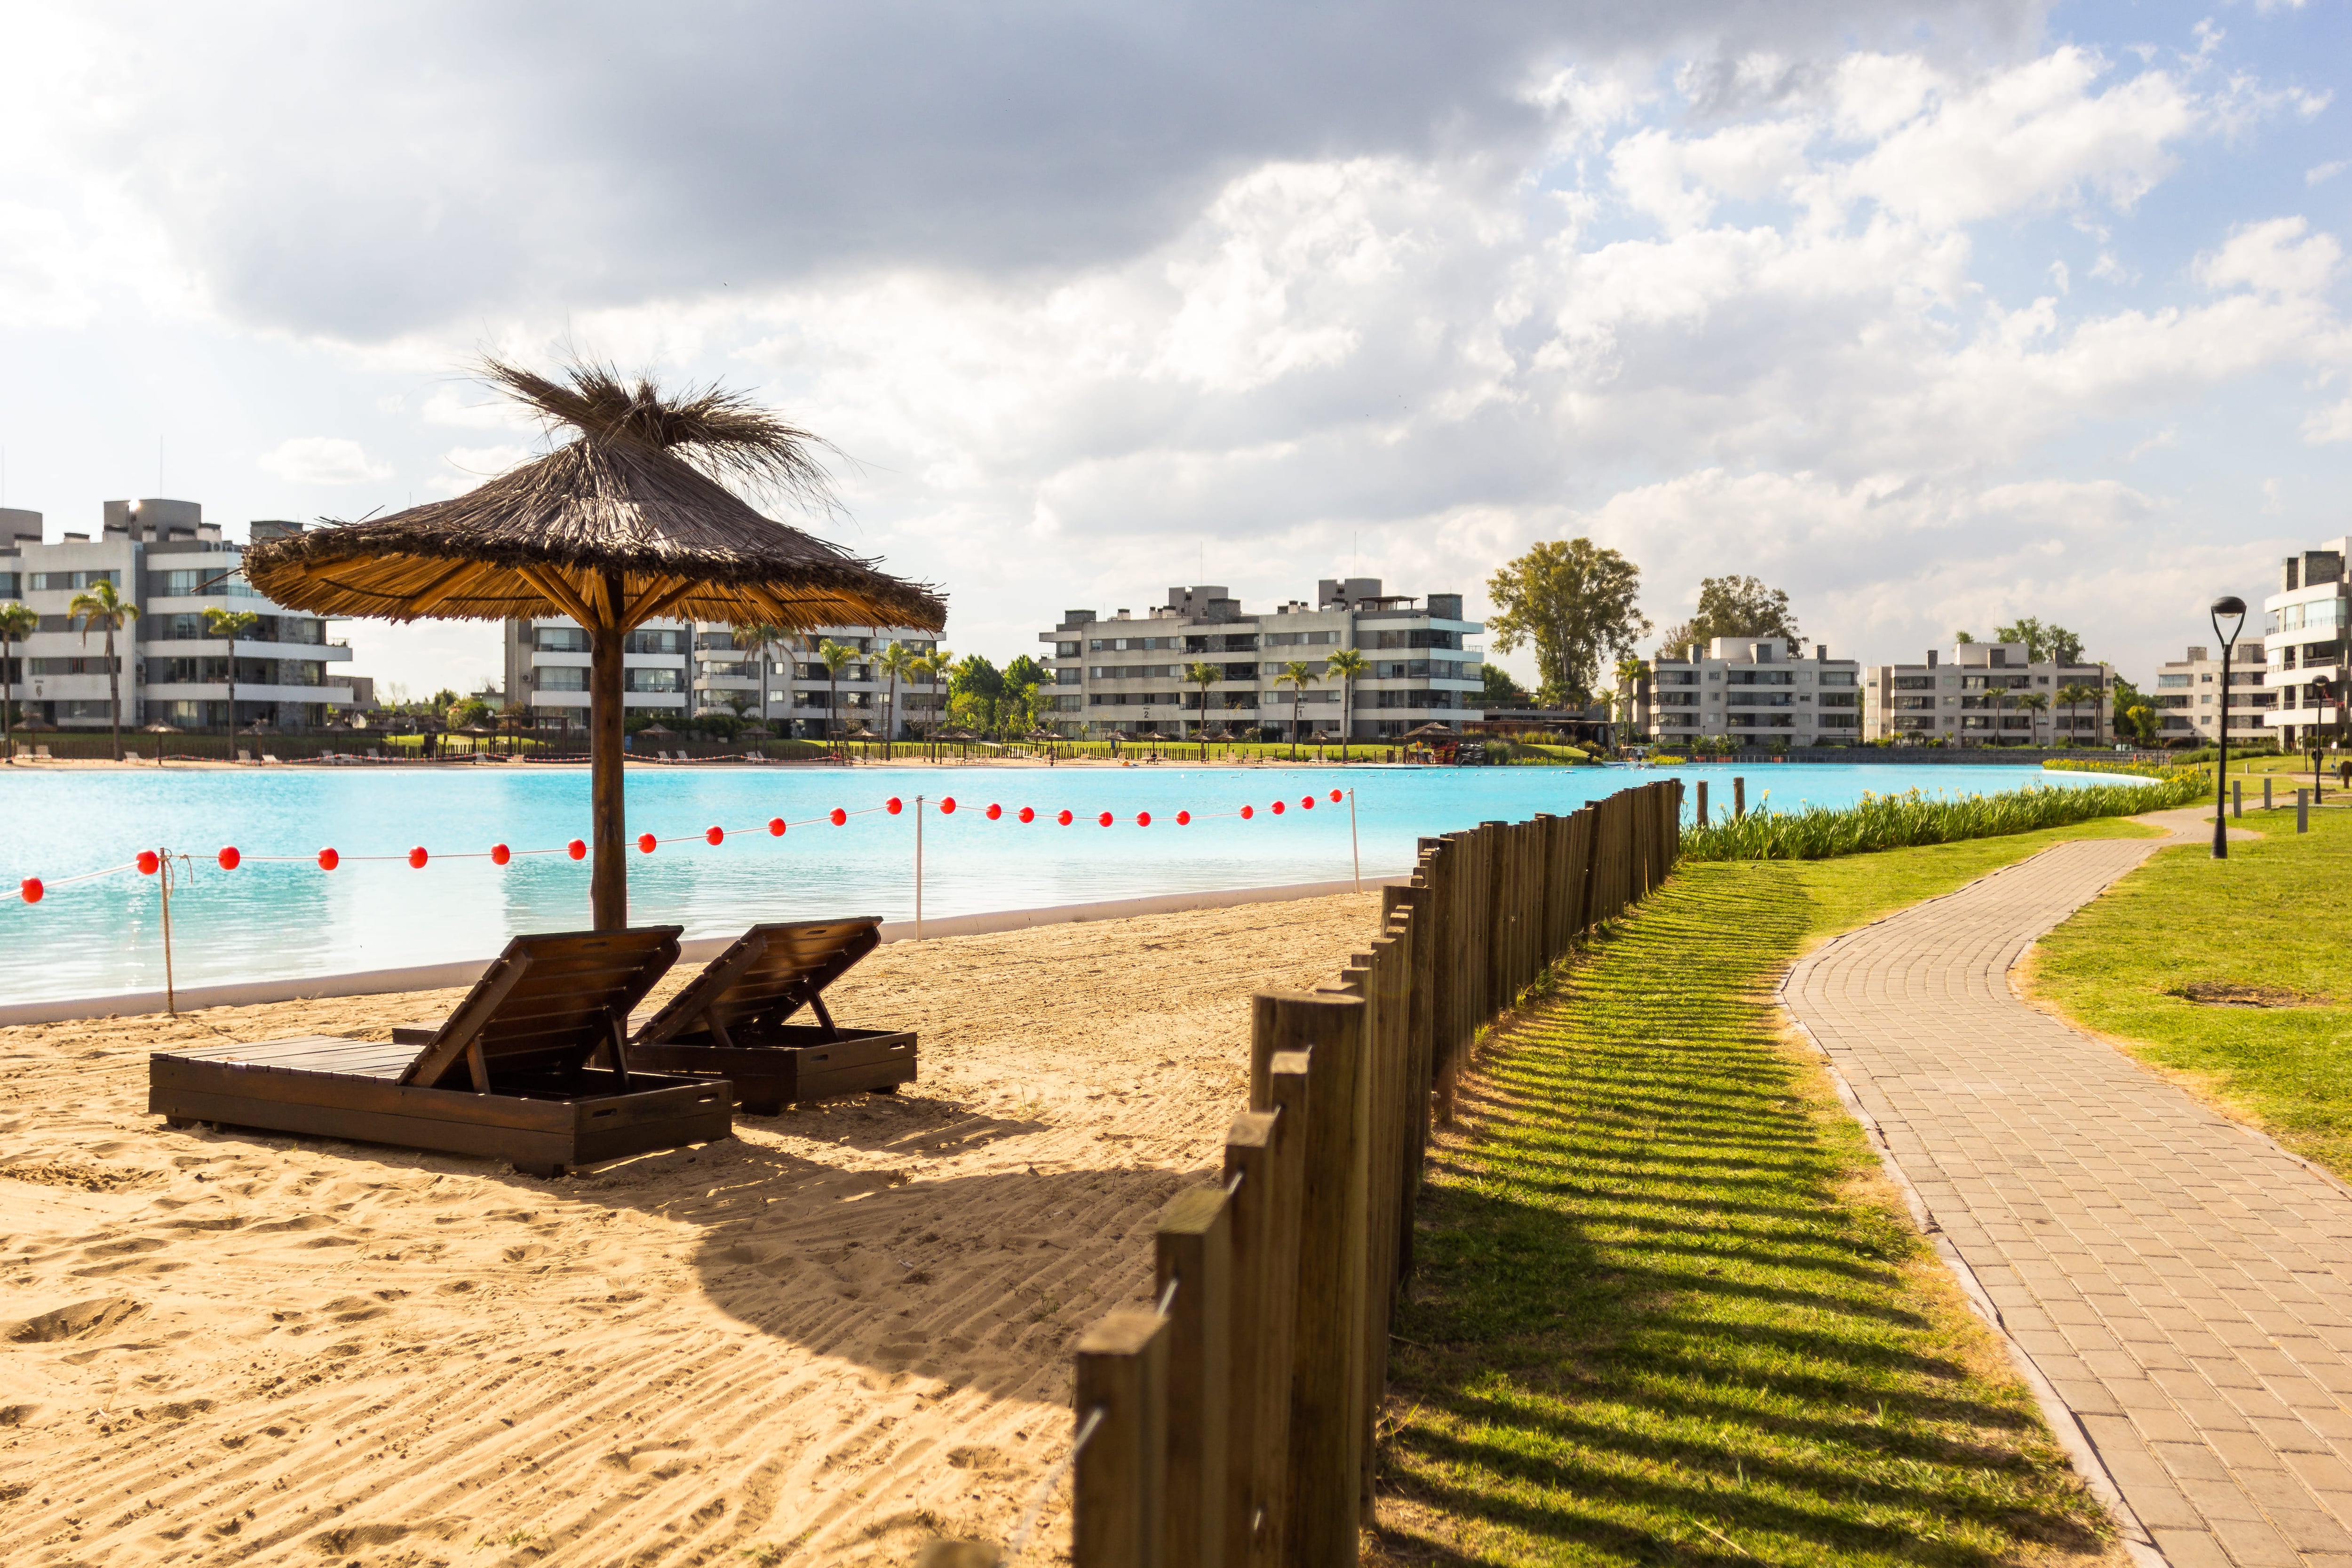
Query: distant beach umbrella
<point x="631" y="520"/>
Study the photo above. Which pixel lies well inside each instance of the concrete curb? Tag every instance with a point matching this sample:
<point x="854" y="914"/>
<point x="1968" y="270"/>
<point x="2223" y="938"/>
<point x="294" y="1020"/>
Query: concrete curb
<point x="446" y="976"/>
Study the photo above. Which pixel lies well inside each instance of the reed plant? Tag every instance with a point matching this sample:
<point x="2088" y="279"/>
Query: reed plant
<point x="1899" y="821"/>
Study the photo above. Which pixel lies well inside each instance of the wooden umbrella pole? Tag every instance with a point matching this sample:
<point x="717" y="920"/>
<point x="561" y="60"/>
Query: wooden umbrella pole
<point x="608" y="882"/>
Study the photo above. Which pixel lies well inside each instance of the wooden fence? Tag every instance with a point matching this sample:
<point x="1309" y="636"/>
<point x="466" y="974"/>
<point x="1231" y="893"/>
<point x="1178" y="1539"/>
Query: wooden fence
<point x="1232" y="1426"/>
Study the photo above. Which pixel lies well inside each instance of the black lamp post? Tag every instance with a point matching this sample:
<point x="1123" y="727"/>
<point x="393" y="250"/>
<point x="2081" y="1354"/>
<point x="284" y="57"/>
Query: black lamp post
<point x="2232" y="605"/>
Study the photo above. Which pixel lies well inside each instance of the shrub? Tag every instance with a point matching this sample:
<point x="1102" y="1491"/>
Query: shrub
<point x="1898" y="821"/>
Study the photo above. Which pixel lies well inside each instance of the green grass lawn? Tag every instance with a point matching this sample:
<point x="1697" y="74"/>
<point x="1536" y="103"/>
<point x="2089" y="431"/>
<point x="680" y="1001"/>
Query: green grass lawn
<point x="2271" y="917"/>
<point x="1668" y="1312"/>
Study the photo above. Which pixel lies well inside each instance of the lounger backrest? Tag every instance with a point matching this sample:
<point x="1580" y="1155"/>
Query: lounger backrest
<point x="765" y="975"/>
<point x="546" y="1004"/>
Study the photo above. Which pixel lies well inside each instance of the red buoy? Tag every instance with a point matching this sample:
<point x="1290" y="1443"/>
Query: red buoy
<point x="1307" y="802"/>
<point x="1027" y="814"/>
<point x="1335" y="797"/>
<point x="501" y="854"/>
<point x="839" y="817"/>
<point x="995" y="811"/>
<point x="947" y="806"/>
<point x="1248" y="812"/>
<point x="229" y="857"/>
<point x="577" y="850"/>
<point x="1143" y="819"/>
<point x="1063" y="819"/>
<point x="1183" y="819"/>
<point x="329" y="859"/>
<point x="646" y="842"/>
<point x="1105" y="819"/>
<point x="148" y="862"/>
<point x="417" y="857"/>
<point x="1278" y="808"/>
<point x="894" y="806"/>
<point x="714" y="836"/>
<point x="776" y="826"/>
<point x="32" y="890"/>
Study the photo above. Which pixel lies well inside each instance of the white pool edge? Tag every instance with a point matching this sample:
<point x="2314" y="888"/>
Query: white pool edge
<point x="443" y="977"/>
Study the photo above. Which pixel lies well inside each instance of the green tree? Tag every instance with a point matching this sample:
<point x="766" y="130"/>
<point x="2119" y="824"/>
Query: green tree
<point x="982" y="684"/>
<point x="100" y="605"/>
<point x="232" y="624"/>
<point x="17" y="621"/>
<point x="1743" y="609"/>
<point x="1575" y="601"/>
<point x="762" y="640"/>
<point x="836" y="656"/>
<point x="1299" y="675"/>
<point x="1204" y="675"/>
<point x="1962" y="639"/>
<point x="2043" y="643"/>
<point x="899" y="662"/>
<point x="1497" y="689"/>
<point x="1629" y="672"/>
<point x="935" y="669"/>
<point x="1350" y="667"/>
<point x="2035" y="702"/>
<point x="1024" y="679"/>
<point x="2072" y="696"/>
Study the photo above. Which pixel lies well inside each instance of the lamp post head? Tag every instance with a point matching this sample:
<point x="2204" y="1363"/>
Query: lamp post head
<point x="2232" y="605"/>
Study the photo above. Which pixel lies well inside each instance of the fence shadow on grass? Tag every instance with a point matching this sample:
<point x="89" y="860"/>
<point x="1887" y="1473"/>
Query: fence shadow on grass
<point x="1662" y="1315"/>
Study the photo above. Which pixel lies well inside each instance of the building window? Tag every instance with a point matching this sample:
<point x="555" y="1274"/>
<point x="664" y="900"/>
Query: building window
<point x="649" y="679"/>
<point x="655" y="642"/>
<point x="562" y="639"/>
<point x="561" y="677"/>
<point x="196" y="583"/>
<point x="61" y="582"/>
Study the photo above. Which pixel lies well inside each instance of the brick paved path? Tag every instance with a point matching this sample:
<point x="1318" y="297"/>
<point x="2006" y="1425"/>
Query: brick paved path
<point x="2185" y="1285"/>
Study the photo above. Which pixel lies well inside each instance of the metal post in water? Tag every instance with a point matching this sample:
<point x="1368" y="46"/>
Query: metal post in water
<point x="918" y="867"/>
<point x="1354" y="848"/>
<point x="163" y="886"/>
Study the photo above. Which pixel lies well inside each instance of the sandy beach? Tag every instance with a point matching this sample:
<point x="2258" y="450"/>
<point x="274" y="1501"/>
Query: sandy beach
<point x="841" y="1332"/>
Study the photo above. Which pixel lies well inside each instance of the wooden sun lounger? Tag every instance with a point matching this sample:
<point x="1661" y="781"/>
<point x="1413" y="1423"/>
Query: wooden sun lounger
<point x="729" y="1021"/>
<point x="508" y="1075"/>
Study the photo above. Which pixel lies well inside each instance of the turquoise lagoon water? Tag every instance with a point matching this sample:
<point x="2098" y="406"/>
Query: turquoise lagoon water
<point x="268" y="920"/>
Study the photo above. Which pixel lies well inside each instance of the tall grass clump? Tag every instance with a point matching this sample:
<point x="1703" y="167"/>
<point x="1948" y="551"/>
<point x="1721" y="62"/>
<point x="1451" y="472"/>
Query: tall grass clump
<point x="1899" y="821"/>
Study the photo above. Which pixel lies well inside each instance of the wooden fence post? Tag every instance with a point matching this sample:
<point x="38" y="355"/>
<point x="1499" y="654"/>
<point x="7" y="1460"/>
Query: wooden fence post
<point x="1327" y="1380"/>
<point x="1194" y="1248"/>
<point x="1118" y="1516"/>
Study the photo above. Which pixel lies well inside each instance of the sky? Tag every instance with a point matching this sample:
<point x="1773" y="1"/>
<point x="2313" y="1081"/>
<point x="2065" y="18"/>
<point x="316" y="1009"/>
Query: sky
<point x="1933" y="315"/>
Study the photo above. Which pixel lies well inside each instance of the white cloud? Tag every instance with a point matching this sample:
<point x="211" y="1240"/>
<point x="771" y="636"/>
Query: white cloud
<point x="473" y="465"/>
<point x="2322" y="173"/>
<point x="321" y="460"/>
<point x="2273" y="258"/>
<point x="2326" y="426"/>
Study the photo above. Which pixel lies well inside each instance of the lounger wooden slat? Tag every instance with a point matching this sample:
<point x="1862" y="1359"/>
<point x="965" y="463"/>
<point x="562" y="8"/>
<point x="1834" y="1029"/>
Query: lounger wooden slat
<point x="508" y="1074"/>
<point x="731" y="1021"/>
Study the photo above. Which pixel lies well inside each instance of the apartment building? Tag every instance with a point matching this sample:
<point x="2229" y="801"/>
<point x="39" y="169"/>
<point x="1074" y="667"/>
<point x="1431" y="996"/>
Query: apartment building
<point x="1983" y="693"/>
<point x="1755" y="690"/>
<point x="2304" y="633"/>
<point x="674" y="668"/>
<point x="1130" y="675"/>
<point x="161" y="556"/>
<point x="2188" y="695"/>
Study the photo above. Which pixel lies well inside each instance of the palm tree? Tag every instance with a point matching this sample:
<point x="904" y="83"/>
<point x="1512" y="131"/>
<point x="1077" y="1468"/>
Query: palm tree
<point x="2072" y="696"/>
<point x="1628" y="670"/>
<point x="937" y="664"/>
<point x="232" y="624"/>
<point x="1348" y="666"/>
<point x="2035" y="702"/>
<point x="836" y="656"/>
<point x="901" y="661"/>
<point x="1204" y="675"/>
<point x="762" y="641"/>
<point x="1299" y="675"/>
<point x="99" y="606"/>
<point x="17" y="623"/>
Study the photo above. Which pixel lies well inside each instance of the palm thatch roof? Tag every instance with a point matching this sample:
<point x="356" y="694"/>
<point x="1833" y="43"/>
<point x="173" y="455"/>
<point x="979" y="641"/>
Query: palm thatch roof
<point x="633" y="518"/>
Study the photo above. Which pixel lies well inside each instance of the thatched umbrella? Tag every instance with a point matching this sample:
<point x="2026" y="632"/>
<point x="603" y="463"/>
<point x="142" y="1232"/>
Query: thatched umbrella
<point x="631" y="520"/>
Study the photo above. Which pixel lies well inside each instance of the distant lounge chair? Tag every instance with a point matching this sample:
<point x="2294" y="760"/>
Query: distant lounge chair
<point x="269" y="758"/>
<point x="729" y="1021"/>
<point x="243" y="755"/>
<point x="508" y="1075"/>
